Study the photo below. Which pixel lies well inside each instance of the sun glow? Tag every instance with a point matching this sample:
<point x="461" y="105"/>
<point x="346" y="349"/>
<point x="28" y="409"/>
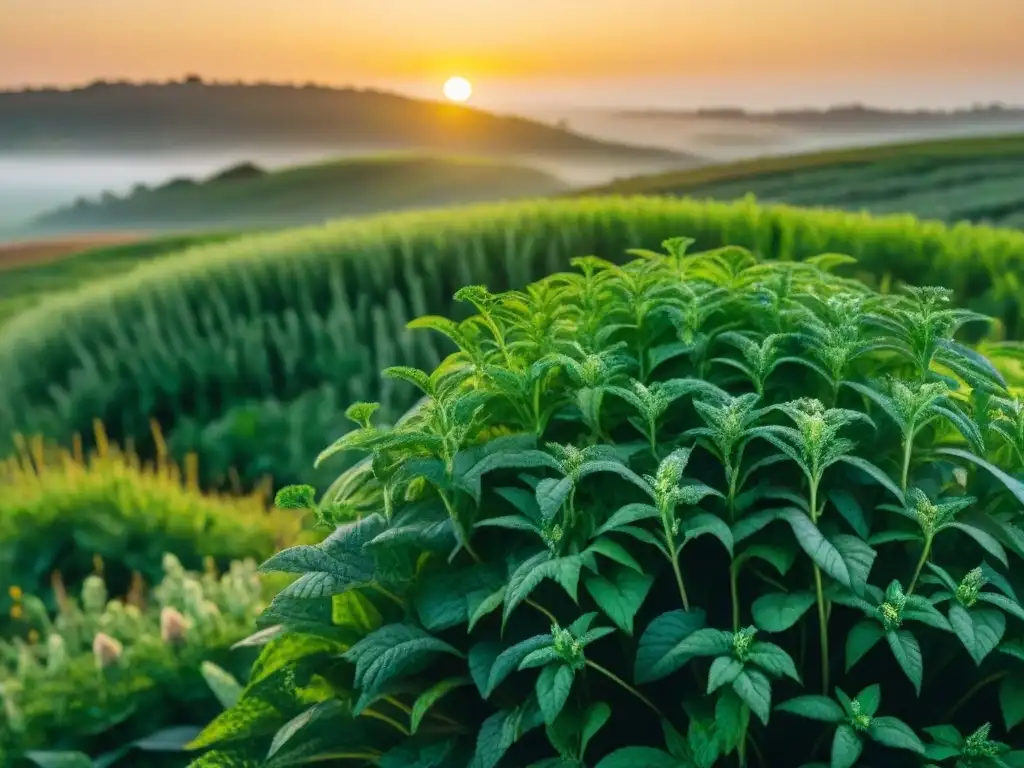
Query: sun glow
<point x="458" y="89"/>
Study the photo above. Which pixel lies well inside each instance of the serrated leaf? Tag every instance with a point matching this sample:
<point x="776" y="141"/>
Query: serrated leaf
<point x="705" y="523"/>
<point x="756" y="691"/>
<point x="732" y="718"/>
<point x="430" y="697"/>
<point x="329" y="708"/>
<point x="773" y="660"/>
<point x="354" y="611"/>
<point x="563" y="570"/>
<point x="980" y="630"/>
<point x="778" y="611"/>
<point x="614" y="551"/>
<point x="626" y="515"/>
<point x="551" y="495"/>
<point x="846" y="747"/>
<point x="620" y="595"/>
<point x="814" y="708"/>
<point x="501" y="730"/>
<point x="814" y="543"/>
<point x="723" y="671"/>
<point x="654" y="656"/>
<point x="894" y="733"/>
<point x="1003" y="603"/>
<point x="553" y="686"/>
<point x="508" y="661"/>
<point x="907" y="652"/>
<point x="391" y="652"/>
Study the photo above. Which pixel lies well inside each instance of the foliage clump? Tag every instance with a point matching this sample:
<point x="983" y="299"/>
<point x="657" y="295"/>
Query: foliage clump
<point x="695" y="510"/>
<point x="103" y="671"/>
<point x="61" y="509"/>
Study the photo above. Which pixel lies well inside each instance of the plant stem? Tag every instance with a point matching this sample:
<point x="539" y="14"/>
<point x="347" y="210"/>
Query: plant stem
<point x="907" y="448"/>
<point x="463" y="533"/>
<point x="390" y="595"/>
<point x="734" y="594"/>
<point x="820" y="598"/>
<point x="537" y="606"/>
<point x="920" y="564"/>
<point x="384" y="718"/>
<point x="674" y="559"/>
<point x="615" y="678"/>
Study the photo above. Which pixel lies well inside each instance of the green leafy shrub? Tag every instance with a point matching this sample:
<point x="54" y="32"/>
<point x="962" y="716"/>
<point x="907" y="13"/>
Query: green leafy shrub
<point x="693" y="511"/>
<point x="61" y="510"/>
<point x="261" y="333"/>
<point x="106" y="675"/>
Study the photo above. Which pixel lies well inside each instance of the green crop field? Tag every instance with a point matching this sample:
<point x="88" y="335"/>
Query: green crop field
<point x="977" y="179"/>
<point x="26" y="284"/>
<point x="245" y="350"/>
<point x="247" y="197"/>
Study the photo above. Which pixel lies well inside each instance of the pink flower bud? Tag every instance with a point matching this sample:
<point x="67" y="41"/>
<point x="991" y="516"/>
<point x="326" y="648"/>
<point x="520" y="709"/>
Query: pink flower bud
<point x="173" y="626"/>
<point x="106" y="650"/>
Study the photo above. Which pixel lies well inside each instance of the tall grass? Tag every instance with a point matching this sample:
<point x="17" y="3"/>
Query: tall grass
<point x="66" y="511"/>
<point x="259" y="335"/>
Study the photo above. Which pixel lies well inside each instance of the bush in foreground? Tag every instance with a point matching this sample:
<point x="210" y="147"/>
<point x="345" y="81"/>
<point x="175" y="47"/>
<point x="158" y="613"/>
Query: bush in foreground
<point x="60" y="511"/>
<point x="110" y="676"/>
<point x="694" y="511"/>
<point x="261" y="334"/>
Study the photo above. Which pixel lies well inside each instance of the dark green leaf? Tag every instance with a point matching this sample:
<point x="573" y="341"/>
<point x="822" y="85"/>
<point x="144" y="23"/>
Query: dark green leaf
<point x="980" y="630"/>
<point x="1003" y="603"/>
<point x="773" y="660"/>
<point x="564" y="570"/>
<point x="863" y="636"/>
<point x="614" y="551"/>
<point x="551" y="495"/>
<point x="817" y="547"/>
<point x="814" y="708"/>
<point x="655" y="657"/>
<point x="756" y="691"/>
<point x="723" y="671"/>
<point x="1011" y="699"/>
<point x="705" y="523"/>
<point x="503" y="729"/>
<point x="619" y="596"/>
<point x="894" y="733"/>
<point x="630" y="513"/>
<point x="1012" y="485"/>
<point x="985" y="540"/>
<point x="851" y="511"/>
<point x="634" y="757"/>
<point x="508" y="661"/>
<point x="875" y="473"/>
<point x="594" y="719"/>
<point x="908" y="655"/>
<point x="846" y="747"/>
<point x="778" y="611"/>
<point x="553" y="686"/>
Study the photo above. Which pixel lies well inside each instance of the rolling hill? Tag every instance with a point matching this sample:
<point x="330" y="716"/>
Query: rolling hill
<point x="976" y="179"/>
<point x="126" y="117"/>
<point x="246" y="196"/>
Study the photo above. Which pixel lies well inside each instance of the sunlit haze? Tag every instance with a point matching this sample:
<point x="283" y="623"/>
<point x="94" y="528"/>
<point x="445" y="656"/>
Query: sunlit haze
<point x="754" y="53"/>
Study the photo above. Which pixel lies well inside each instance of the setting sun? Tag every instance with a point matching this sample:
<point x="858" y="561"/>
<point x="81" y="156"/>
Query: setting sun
<point x="457" y="89"/>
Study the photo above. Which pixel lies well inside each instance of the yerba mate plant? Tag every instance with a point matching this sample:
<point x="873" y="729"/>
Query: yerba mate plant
<point x="693" y="511"/>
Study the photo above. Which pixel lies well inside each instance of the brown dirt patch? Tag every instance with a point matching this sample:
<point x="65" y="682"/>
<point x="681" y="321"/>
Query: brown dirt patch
<point x="26" y="252"/>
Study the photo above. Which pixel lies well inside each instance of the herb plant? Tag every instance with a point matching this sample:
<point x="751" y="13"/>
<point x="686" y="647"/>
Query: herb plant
<point x="695" y="510"/>
<point x="104" y="676"/>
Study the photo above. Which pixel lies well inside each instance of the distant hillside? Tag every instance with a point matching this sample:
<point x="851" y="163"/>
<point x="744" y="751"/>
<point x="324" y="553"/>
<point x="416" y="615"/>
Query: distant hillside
<point x="247" y="196"/>
<point x="126" y="117"/>
<point x="976" y="179"/>
<point x="846" y="117"/>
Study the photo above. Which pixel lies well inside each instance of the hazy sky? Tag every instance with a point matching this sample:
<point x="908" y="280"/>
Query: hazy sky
<point x="915" y="52"/>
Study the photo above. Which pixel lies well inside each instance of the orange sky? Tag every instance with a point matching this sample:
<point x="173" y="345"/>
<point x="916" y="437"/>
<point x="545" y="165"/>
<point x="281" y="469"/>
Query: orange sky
<point x="381" y="42"/>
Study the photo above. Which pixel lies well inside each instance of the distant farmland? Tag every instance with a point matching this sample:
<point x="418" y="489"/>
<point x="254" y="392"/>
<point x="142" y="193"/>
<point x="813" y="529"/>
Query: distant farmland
<point x="978" y="179"/>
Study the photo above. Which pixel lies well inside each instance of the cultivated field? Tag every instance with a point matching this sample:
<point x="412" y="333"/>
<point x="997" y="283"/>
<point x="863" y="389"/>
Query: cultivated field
<point x="977" y="179"/>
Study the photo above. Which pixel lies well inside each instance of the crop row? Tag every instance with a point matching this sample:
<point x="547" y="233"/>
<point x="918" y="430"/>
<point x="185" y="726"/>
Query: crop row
<point x="242" y="349"/>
